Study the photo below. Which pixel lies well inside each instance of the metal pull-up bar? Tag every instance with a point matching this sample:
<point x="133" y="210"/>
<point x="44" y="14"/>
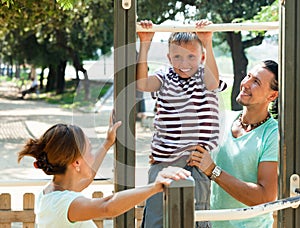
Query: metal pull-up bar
<point x="248" y="212"/>
<point x="225" y="27"/>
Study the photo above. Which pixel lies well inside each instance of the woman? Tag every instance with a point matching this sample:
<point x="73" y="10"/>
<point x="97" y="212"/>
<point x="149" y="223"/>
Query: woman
<point x="65" y="152"/>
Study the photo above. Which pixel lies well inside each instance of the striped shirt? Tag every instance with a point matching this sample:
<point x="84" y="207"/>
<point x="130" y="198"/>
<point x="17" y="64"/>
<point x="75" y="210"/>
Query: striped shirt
<point x="187" y="115"/>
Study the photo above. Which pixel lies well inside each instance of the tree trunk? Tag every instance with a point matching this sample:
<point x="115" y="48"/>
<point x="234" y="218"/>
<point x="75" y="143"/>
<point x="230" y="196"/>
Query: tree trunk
<point x="51" y="80"/>
<point x="79" y="67"/>
<point x="18" y="71"/>
<point x="87" y="94"/>
<point x="42" y="78"/>
<point x="240" y="63"/>
<point x="32" y="72"/>
<point x="61" y="76"/>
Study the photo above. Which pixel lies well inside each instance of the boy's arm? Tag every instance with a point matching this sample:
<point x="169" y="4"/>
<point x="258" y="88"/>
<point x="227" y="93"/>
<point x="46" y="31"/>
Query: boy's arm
<point x="211" y="72"/>
<point x="145" y="83"/>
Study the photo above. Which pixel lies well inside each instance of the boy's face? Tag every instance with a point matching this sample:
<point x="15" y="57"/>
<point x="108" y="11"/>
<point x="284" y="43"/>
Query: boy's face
<point x="186" y="58"/>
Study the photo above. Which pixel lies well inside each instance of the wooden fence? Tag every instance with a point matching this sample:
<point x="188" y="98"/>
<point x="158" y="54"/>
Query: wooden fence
<point x="27" y="216"/>
<point x="178" y="208"/>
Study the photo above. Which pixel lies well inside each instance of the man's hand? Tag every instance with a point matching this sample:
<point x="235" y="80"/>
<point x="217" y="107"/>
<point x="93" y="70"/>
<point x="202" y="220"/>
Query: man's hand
<point x="201" y="158"/>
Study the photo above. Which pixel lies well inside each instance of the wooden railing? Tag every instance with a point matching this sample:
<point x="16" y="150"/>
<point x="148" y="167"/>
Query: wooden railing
<point x="180" y="193"/>
<point x="27" y="216"/>
<point x="178" y="208"/>
<point x="17" y="202"/>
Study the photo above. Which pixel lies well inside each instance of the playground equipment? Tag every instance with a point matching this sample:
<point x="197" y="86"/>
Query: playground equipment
<point x="178" y="198"/>
<point x="225" y="27"/>
<point x="289" y="105"/>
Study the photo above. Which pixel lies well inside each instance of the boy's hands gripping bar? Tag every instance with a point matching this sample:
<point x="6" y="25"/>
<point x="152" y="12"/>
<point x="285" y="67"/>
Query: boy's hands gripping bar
<point x="226" y="27"/>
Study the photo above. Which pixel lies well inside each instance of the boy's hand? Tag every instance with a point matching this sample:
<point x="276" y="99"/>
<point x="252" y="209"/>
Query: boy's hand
<point x="146" y="36"/>
<point x="205" y="37"/>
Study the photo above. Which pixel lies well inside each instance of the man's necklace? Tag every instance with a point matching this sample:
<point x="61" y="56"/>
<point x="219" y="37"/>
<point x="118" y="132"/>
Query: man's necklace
<point x="249" y="127"/>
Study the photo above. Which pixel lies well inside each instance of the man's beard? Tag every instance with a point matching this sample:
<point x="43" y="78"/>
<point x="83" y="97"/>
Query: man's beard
<point x="238" y="100"/>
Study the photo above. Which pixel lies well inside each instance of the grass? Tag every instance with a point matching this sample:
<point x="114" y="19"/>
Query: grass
<point x="73" y="96"/>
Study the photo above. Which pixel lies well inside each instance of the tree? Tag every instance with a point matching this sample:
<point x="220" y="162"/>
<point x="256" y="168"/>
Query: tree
<point x="219" y="11"/>
<point x="242" y="11"/>
<point x="80" y="32"/>
<point x="95" y="19"/>
<point x="43" y="34"/>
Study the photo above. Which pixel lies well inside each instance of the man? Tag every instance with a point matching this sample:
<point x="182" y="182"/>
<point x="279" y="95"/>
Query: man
<point x="244" y="170"/>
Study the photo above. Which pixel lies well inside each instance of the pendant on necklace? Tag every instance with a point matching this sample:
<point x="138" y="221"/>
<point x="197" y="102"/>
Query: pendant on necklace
<point x="249" y="127"/>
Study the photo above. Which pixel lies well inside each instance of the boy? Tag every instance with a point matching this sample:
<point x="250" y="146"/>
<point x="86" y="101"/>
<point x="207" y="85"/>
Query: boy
<point x="187" y="109"/>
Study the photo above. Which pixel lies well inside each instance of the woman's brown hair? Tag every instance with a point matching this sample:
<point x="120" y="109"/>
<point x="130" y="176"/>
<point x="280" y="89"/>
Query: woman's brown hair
<point x="58" y="147"/>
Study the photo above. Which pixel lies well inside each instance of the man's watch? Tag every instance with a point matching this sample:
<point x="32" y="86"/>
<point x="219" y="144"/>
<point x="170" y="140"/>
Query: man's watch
<point x="215" y="173"/>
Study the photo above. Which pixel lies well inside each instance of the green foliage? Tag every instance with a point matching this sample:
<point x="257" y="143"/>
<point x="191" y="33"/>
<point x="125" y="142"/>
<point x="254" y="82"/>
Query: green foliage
<point x="43" y="32"/>
<point x="8" y="3"/>
<point x="46" y="33"/>
<point x="219" y="11"/>
<point x="268" y="13"/>
<point x="66" y="4"/>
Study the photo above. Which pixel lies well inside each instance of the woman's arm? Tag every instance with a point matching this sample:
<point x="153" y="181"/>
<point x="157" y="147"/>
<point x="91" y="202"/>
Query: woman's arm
<point x="107" y="144"/>
<point x="85" y="209"/>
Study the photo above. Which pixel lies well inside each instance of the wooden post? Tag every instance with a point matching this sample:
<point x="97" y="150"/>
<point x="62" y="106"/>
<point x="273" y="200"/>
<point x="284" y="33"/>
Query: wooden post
<point x="98" y="222"/>
<point x="124" y="100"/>
<point x="28" y="204"/>
<point x="179" y="204"/>
<point x="5" y="204"/>
<point x="289" y="115"/>
<point x="139" y="211"/>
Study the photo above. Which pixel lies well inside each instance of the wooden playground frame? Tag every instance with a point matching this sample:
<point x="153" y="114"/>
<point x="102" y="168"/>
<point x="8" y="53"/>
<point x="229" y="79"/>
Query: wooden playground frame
<point x="124" y="58"/>
<point x="289" y="104"/>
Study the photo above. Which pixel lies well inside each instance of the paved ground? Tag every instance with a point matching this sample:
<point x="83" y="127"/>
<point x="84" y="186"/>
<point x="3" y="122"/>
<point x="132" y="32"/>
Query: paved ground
<point x="21" y="119"/>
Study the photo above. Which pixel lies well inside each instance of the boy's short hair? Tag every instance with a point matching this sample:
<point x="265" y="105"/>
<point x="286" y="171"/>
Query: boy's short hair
<point x="183" y="37"/>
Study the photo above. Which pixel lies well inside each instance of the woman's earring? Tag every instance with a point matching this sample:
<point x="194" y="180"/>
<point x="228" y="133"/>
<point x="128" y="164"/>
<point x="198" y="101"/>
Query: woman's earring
<point x="77" y="169"/>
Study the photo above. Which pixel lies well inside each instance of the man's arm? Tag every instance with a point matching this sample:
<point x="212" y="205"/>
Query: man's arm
<point x="265" y="190"/>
